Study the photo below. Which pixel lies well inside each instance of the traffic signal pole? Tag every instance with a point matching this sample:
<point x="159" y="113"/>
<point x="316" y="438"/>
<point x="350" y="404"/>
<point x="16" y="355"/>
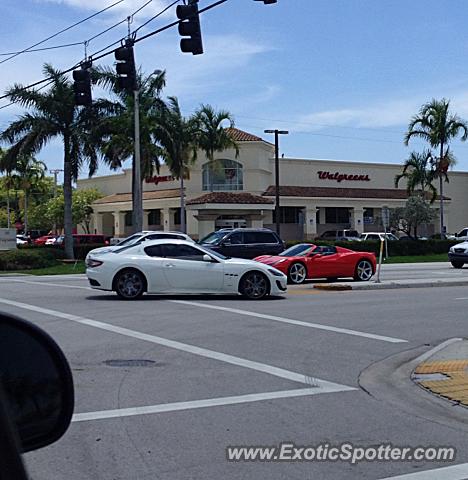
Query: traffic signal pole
<point x="138" y="198"/>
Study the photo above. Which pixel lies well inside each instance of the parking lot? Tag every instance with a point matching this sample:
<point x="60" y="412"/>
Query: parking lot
<point x="165" y="384"/>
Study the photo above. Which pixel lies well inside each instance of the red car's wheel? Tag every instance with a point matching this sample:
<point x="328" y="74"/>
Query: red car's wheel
<point x="364" y="271"/>
<point x="297" y="273"/>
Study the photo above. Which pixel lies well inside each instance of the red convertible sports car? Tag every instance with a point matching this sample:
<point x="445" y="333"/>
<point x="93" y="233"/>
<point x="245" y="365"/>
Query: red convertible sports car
<point x="307" y="260"/>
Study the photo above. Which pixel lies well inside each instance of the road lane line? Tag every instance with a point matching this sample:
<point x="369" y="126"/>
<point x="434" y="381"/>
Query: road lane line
<point x="195" y="404"/>
<point x="47" y="284"/>
<point x="462" y="298"/>
<point x="290" y="321"/>
<point x="184" y="347"/>
<point x="455" y="472"/>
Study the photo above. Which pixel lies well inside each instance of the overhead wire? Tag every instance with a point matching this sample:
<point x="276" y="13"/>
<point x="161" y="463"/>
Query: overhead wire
<point x="61" y="31"/>
<point x="85" y="42"/>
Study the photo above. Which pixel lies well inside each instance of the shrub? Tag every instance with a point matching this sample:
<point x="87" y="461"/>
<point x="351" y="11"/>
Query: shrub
<point x="27" y="259"/>
<point x="395" y="248"/>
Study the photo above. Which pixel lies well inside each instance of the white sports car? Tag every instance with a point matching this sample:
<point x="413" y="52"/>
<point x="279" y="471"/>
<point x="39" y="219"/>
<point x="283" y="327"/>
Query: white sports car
<point x="179" y="266"/>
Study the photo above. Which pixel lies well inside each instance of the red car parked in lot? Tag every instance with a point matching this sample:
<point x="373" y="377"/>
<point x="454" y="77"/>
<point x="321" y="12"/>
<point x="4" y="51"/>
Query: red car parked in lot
<point x="42" y="240"/>
<point x="308" y="260"/>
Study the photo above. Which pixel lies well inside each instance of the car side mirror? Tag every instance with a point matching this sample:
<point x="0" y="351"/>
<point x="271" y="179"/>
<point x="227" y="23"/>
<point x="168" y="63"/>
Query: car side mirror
<point x="36" y="381"/>
<point x="208" y="258"/>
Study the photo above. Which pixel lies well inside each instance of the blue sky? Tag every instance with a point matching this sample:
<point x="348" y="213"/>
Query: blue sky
<point x="344" y="77"/>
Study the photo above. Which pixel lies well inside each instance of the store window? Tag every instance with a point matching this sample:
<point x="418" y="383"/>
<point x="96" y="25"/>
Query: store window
<point x="369" y="218"/>
<point x="154" y="217"/>
<point x="289" y="215"/>
<point x="128" y="219"/>
<point x="222" y="174"/>
<point x="336" y="215"/>
<point x="177" y="216"/>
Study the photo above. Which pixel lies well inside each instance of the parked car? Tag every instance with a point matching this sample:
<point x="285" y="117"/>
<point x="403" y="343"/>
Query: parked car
<point x="83" y="239"/>
<point x="244" y="242"/>
<point x="143" y="237"/>
<point x="307" y="260"/>
<point x="22" y="240"/>
<point x="179" y="266"/>
<point x="340" y="235"/>
<point x="377" y="236"/>
<point x="458" y="254"/>
<point x="462" y="234"/>
<point x="42" y="240"/>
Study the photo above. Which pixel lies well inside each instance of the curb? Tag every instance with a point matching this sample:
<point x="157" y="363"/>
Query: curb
<point x="384" y="286"/>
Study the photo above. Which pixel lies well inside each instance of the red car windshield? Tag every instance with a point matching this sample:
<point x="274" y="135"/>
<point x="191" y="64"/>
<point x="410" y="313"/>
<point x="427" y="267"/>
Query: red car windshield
<point x="300" y="250"/>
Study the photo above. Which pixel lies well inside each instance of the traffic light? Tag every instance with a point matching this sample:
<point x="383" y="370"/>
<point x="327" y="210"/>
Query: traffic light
<point x="82" y="87"/>
<point x="190" y="27"/>
<point x="125" y="67"/>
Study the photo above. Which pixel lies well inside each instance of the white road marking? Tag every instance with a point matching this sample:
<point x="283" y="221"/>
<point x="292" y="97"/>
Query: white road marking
<point x="47" y="284"/>
<point x="462" y="298"/>
<point x="210" y="402"/>
<point x="290" y="321"/>
<point x="455" y="472"/>
<point x="184" y="347"/>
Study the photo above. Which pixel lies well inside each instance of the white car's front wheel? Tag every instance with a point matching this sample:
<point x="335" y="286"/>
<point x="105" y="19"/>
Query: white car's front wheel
<point x="254" y="285"/>
<point x="130" y="284"/>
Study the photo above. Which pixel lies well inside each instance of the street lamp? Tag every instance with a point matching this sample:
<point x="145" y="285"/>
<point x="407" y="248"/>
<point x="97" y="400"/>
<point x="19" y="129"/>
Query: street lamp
<point x="277" y="189"/>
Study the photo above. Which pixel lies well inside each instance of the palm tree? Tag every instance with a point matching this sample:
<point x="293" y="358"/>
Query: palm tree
<point x="117" y="131"/>
<point x="177" y="136"/>
<point x="212" y="136"/>
<point x="53" y="114"/>
<point x="438" y="127"/>
<point x="419" y="172"/>
<point x="28" y="173"/>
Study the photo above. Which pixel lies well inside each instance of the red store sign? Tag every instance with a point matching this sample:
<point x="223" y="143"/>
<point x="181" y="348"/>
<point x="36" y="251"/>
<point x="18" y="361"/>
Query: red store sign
<point x="339" y="177"/>
<point x="157" y="179"/>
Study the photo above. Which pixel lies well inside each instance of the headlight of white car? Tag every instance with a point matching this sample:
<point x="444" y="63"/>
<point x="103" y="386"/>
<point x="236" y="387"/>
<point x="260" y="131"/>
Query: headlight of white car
<point x="451" y="249"/>
<point x="276" y="273"/>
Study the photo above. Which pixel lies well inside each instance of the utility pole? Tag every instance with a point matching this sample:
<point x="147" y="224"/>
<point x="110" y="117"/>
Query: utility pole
<point x="277" y="179"/>
<point x="138" y="205"/>
<point x="55" y="172"/>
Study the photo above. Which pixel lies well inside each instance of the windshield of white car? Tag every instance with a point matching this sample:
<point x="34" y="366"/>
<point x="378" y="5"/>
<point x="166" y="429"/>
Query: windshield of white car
<point x="300" y="250"/>
<point x="213" y="238"/>
<point x="130" y="240"/>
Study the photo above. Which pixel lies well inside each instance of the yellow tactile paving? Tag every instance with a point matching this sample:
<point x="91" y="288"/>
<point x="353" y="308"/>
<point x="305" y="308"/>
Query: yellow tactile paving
<point x="443" y="366"/>
<point x="455" y="386"/>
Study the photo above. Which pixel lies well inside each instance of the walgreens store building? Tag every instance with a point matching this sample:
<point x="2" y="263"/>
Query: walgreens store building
<point x="316" y="195"/>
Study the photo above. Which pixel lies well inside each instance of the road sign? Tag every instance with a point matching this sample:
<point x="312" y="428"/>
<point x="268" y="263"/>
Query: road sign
<point x="385" y="217"/>
<point x="7" y="238"/>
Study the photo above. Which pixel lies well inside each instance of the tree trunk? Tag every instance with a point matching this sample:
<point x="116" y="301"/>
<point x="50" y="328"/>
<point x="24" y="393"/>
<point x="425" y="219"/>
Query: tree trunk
<point x="441" y="192"/>
<point x="8" y="207"/>
<point x="67" y="197"/>
<point x="25" y="212"/>
<point x="183" y="227"/>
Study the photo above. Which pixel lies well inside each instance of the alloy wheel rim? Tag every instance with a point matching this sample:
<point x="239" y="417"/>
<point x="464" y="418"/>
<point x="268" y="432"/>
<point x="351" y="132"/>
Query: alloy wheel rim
<point x="255" y="286"/>
<point x="297" y="273"/>
<point x="130" y="284"/>
<point x="364" y="270"/>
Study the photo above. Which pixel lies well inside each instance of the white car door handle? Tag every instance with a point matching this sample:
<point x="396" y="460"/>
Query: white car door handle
<point x="169" y="265"/>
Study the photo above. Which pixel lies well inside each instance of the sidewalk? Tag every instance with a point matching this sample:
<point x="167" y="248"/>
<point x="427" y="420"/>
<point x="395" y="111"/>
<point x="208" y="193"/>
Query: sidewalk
<point x="443" y="371"/>
<point x="386" y="284"/>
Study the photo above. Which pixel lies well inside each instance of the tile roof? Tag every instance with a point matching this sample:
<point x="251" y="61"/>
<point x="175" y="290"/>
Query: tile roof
<point x="229" y="197"/>
<point x="241" y="136"/>
<point x="317" y="192"/>
<point x="127" y="197"/>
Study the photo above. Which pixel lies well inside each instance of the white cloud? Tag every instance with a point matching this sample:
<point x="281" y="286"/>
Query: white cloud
<point x="126" y="7"/>
<point x="391" y="113"/>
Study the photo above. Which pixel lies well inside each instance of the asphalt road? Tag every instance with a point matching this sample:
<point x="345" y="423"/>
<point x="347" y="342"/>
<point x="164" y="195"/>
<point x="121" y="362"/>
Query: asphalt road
<point x="165" y="384"/>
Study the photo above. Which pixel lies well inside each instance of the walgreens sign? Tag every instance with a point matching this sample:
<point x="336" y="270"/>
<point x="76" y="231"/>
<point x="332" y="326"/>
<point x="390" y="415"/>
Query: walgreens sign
<point x="339" y="177"/>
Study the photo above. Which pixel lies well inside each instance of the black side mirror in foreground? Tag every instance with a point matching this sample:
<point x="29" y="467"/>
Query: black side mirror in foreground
<point x="37" y="384"/>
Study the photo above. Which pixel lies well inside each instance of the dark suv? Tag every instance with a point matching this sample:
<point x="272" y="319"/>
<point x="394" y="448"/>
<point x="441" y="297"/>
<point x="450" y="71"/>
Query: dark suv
<point x="244" y="242"/>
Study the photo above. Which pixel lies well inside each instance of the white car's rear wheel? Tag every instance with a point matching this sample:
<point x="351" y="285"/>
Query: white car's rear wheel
<point x="254" y="285"/>
<point x="297" y="273"/>
<point x="364" y="271"/>
<point x="130" y="284"/>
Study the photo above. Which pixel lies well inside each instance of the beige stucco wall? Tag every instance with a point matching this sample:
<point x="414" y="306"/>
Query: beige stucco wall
<point x="258" y="173"/>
